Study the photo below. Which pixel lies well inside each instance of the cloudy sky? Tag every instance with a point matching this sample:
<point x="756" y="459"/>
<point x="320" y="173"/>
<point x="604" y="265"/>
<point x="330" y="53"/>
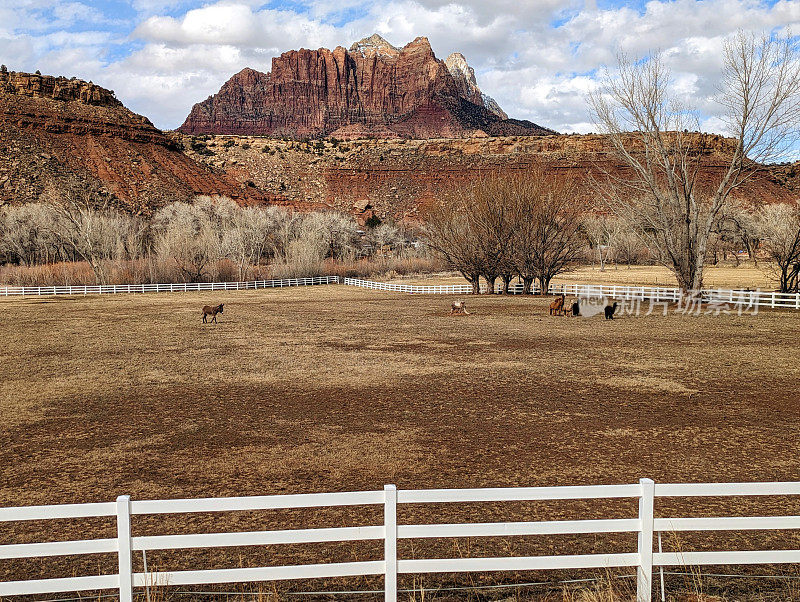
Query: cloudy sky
<point x="537" y="58"/>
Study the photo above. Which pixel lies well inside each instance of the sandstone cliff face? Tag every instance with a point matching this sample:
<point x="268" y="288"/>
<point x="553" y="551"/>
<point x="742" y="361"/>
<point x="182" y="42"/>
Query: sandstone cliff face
<point x="53" y="128"/>
<point x="373" y="89"/>
<point x="35" y="85"/>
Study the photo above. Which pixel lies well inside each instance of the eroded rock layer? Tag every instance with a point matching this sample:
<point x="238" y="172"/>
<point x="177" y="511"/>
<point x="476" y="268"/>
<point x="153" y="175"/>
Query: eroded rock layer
<point x="53" y="128"/>
<point x="398" y="178"/>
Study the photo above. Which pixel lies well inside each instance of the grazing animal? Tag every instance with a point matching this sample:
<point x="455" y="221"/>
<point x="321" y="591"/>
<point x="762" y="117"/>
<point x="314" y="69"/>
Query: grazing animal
<point x="459" y="308"/>
<point x="610" y="309"/>
<point x="576" y="308"/>
<point x="208" y="310"/>
<point x="557" y="306"/>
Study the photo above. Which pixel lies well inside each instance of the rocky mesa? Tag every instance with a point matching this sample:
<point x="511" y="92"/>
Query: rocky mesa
<point x="371" y="90"/>
<point x="397" y="179"/>
<point x="54" y="128"/>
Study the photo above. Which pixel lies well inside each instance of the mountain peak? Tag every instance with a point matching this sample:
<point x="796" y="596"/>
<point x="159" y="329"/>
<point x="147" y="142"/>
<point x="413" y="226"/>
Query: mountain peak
<point x="464" y="76"/>
<point x="373" y="45"/>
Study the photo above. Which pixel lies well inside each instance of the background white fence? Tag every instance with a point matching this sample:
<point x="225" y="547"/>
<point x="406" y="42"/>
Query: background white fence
<point x="414" y="289"/>
<point x="642" y="293"/>
<point x="180" y="287"/>
<point x="746" y="298"/>
<point x="644" y="525"/>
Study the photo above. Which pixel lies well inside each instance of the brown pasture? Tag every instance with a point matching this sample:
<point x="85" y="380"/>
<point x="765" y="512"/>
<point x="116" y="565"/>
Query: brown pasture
<point x="339" y="389"/>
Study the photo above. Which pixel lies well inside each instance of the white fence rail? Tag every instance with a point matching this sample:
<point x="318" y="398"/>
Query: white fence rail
<point x="643" y="293"/>
<point x="414" y="289"/>
<point x="390" y="565"/>
<point x="180" y="287"/>
<point x="746" y="298"/>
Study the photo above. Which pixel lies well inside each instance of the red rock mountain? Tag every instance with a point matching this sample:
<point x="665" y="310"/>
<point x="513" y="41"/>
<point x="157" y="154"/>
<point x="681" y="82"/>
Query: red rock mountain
<point x="54" y="128"/>
<point x="374" y="89"/>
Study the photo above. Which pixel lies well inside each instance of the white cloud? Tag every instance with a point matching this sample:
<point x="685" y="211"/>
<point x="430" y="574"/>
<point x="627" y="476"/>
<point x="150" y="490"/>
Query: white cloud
<point x="537" y="58"/>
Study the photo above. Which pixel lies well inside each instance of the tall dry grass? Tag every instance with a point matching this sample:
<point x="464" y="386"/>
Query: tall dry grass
<point x="152" y="270"/>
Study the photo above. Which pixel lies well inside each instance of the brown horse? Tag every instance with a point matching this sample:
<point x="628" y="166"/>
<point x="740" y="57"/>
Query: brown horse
<point x="557" y="306"/>
<point x="212" y="311"/>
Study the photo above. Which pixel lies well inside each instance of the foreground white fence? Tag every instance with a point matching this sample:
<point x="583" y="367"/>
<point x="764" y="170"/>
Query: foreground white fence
<point x="644" y="525"/>
<point x="180" y="287"/>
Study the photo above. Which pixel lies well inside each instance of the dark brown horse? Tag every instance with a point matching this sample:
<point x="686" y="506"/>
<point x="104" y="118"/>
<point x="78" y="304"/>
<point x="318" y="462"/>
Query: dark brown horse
<point x="208" y="310"/>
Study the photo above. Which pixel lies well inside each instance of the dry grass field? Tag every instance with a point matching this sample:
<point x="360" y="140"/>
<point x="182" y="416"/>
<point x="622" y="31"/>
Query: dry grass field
<point x="341" y="389"/>
<point x="726" y="276"/>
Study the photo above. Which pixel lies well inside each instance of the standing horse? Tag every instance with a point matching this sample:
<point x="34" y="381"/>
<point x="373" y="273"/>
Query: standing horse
<point x="557" y="306"/>
<point x="212" y="311"/>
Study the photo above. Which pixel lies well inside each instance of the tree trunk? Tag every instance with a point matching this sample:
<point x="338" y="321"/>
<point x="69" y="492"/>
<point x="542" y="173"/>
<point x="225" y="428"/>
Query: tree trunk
<point x="506" y="282"/>
<point x="490" y="280"/>
<point x="544" y="284"/>
<point x="475" y="281"/>
<point x="784" y="279"/>
<point x="793" y="278"/>
<point x="526" y="285"/>
<point x="97" y="268"/>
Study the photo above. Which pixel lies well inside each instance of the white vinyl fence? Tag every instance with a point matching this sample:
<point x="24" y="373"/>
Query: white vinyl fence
<point x="180" y="287"/>
<point x="390" y="565"/>
<point x="745" y="298"/>
<point x="414" y="289"/>
<point x="643" y="293"/>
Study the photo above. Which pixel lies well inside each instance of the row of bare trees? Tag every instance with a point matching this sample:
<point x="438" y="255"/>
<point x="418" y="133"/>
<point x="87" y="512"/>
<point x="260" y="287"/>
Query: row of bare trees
<point x="524" y="225"/>
<point x="528" y="226"/>
<point x="73" y="224"/>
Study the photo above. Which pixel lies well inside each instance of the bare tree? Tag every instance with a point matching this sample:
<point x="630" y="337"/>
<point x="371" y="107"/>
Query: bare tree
<point x="251" y="236"/>
<point x="779" y="230"/>
<point x="548" y="238"/>
<point x="385" y="235"/>
<point x="302" y="254"/>
<point x="190" y="235"/>
<point x="84" y="223"/>
<point x="450" y="232"/>
<point x="628" y="247"/>
<point x="26" y="235"/>
<point x="661" y="189"/>
<point x="472" y="229"/>
<point x="489" y="208"/>
<point x="603" y="231"/>
<point x="337" y="232"/>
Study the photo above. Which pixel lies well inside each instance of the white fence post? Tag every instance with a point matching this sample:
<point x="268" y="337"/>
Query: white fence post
<point x="124" y="554"/>
<point x="390" y="542"/>
<point x="644" y="574"/>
